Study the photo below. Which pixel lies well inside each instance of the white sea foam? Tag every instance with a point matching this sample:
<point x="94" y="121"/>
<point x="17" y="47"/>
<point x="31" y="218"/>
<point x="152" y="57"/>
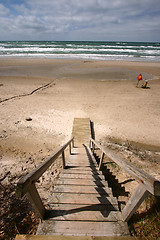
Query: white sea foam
<point x="83" y="50"/>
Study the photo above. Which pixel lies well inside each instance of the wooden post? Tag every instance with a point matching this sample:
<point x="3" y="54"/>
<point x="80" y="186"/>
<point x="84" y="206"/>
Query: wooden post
<point x="134" y="202"/>
<point x="36" y="201"/>
<point x="93" y="147"/>
<point x="63" y="160"/>
<point x="70" y="152"/>
<point x="101" y="160"/>
<point x="73" y="143"/>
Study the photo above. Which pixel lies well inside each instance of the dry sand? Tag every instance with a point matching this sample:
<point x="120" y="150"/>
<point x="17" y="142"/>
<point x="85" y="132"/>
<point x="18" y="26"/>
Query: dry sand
<point x="51" y="93"/>
<point x="103" y="91"/>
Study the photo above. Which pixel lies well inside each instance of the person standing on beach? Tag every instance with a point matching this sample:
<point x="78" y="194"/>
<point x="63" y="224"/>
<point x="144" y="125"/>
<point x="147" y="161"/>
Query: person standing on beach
<point x="139" y="78"/>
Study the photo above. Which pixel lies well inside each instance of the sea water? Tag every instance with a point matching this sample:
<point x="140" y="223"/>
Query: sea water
<point x="127" y="51"/>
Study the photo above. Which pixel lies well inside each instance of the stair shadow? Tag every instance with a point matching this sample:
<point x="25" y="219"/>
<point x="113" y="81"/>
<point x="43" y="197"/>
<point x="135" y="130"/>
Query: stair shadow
<point x="104" y="194"/>
<point x="57" y="213"/>
<point x="117" y="188"/>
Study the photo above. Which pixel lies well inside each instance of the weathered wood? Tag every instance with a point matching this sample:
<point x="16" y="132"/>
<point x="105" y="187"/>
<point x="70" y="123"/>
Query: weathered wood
<point x="63" y="160"/>
<point x="81" y="214"/>
<point x="81" y="130"/>
<point x="36" y="201"/>
<point x="25" y="182"/>
<point x="134" y="202"/>
<point x="80" y="198"/>
<point x="86" y="182"/>
<point x="101" y="160"/>
<point x="151" y="184"/>
<point x="80" y="228"/>
<point x="83" y="171"/>
<point x="70" y="149"/>
<point x="82" y="189"/>
<point x="52" y="237"/>
<point x="80" y="176"/>
<point x="83" y="207"/>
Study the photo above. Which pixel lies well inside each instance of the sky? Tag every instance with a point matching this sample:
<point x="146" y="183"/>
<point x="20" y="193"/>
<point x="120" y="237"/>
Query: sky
<point x="80" y="20"/>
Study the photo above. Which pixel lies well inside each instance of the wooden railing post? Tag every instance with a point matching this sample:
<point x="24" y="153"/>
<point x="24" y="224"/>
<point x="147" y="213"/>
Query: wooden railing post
<point x="101" y="160"/>
<point x="93" y="147"/>
<point x="134" y="202"/>
<point x="70" y="152"/>
<point x="35" y="199"/>
<point x="63" y="160"/>
<point x="73" y="143"/>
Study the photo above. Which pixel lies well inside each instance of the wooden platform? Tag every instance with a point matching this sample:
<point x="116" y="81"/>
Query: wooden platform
<point x="82" y="204"/>
<point x="81" y="130"/>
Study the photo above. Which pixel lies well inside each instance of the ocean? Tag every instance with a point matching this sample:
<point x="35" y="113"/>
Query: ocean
<point x="124" y="51"/>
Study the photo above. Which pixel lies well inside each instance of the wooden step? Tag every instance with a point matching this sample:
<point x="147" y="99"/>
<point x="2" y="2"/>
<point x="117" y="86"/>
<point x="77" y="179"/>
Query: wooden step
<point x="82" y="189"/>
<point x="81" y="176"/>
<point x="82" y="207"/>
<point x="62" y="237"/>
<point x="81" y="214"/>
<point x="83" y="228"/>
<point x="82" y="171"/>
<point x="86" y="182"/>
<point x="80" y="198"/>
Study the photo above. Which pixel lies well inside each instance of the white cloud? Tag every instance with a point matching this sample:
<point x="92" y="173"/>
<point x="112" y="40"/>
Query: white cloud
<point x="3" y="10"/>
<point x="85" y="19"/>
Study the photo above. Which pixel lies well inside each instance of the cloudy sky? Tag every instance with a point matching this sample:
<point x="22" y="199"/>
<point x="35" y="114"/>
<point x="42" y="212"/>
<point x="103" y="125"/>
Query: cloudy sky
<point x="104" y="20"/>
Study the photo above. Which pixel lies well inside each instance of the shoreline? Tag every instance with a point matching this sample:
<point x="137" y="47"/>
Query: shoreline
<point x="79" y="59"/>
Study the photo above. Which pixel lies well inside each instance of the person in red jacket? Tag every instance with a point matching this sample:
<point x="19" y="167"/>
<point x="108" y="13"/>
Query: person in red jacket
<point x="139" y="78"/>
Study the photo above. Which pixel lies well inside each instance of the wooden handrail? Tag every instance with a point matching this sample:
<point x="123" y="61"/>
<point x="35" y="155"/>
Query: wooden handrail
<point x="26" y="185"/>
<point x="147" y="183"/>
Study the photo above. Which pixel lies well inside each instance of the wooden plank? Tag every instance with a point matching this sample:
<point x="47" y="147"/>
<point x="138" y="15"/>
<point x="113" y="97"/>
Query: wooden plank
<point x="150" y="183"/>
<point x="52" y="237"/>
<point x="80" y="214"/>
<point x="36" y="201"/>
<point x="63" y="160"/>
<point x="134" y="202"/>
<point x="101" y="160"/>
<point x="80" y="176"/>
<point x="86" y="182"/>
<point x="82" y="189"/>
<point x="82" y="199"/>
<point x="80" y="228"/>
<point x="86" y="207"/>
<point x="81" y="130"/>
<point x="82" y="171"/>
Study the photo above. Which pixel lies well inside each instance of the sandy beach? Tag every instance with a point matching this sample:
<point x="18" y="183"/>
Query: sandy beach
<point x="39" y="99"/>
<point x="51" y="93"/>
<point x="103" y="91"/>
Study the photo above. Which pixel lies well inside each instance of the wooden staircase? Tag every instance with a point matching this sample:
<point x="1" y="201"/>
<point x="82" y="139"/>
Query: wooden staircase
<point x="82" y="204"/>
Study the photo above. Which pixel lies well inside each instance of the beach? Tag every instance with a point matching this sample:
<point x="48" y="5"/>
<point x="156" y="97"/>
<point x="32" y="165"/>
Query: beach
<point x="41" y="97"/>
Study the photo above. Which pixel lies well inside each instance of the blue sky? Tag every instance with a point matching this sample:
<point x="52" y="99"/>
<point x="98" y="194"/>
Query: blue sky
<point x="104" y="20"/>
